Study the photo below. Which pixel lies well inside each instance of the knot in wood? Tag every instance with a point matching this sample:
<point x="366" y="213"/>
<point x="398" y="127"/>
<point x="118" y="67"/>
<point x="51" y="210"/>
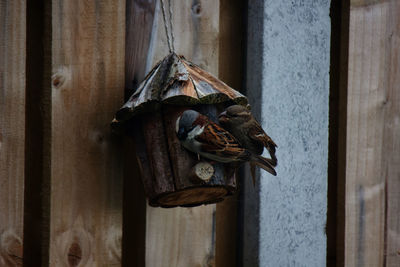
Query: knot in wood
<point x="11" y="248"/>
<point x="196" y="8"/>
<point x="57" y="80"/>
<point x="74" y="254"/>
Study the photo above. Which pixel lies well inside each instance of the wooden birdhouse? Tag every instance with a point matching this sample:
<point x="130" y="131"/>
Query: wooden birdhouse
<point x="173" y="176"/>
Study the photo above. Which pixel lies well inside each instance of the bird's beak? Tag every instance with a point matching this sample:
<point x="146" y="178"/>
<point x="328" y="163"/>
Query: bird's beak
<point x="222" y="116"/>
<point x="181" y="134"/>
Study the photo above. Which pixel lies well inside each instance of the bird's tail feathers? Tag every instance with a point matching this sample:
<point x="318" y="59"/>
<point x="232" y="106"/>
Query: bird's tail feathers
<point x="274" y="160"/>
<point x="265" y="163"/>
<point x="271" y="150"/>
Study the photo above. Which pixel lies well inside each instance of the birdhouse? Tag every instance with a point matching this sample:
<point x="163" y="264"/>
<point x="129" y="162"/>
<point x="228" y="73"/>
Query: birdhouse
<point x="173" y="176"/>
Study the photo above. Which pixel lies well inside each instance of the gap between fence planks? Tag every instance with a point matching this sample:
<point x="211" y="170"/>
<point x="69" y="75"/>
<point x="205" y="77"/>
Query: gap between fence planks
<point x="185" y="236"/>
<point x="231" y="67"/>
<point x="337" y="132"/>
<point x="139" y="23"/>
<point x="87" y="86"/>
<point x="12" y="130"/>
<point x="372" y="229"/>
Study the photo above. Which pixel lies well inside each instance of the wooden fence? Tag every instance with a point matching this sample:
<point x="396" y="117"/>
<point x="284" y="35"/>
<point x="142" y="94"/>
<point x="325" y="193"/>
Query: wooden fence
<point x="364" y="196"/>
<point x="70" y="192"/>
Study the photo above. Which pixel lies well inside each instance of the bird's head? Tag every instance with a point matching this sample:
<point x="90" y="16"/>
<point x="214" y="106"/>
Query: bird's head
<point x="186" y="123"/>
<point x="234" y="116"/>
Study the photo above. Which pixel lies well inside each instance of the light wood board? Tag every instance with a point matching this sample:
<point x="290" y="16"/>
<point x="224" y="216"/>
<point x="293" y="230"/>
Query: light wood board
<point x="184" y="236"/>
<point x="12" y="130"/>
<point x="372" y="229"/>
<point x="88" y="50"/>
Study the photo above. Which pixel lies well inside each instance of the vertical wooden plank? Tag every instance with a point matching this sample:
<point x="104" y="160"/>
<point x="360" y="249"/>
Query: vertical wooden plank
<point x="372" y="172"/>
<point x="12" y="130"/>
<point x="185" y="236"/>
<point x="391" y="136"/>
<point x="364" y="187"/>
<point x="231" y="66"/>
<point x="88" y="50"/>
<point x="139" y="24"/>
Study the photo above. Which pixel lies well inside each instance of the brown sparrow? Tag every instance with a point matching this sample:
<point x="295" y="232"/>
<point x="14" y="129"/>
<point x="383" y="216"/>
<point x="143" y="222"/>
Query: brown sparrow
<point x="200" y="135"/>
<point x="239" y="121"/>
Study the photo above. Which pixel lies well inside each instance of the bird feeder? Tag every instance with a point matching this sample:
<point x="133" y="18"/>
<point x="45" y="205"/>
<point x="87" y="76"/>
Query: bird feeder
<point x="171" y="175"/>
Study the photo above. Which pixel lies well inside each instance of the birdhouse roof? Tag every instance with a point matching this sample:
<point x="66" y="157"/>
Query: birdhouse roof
<point x="174" y="80"/>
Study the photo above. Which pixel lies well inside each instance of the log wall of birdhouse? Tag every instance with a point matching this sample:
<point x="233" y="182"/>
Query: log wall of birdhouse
<point x="167" y="167"/>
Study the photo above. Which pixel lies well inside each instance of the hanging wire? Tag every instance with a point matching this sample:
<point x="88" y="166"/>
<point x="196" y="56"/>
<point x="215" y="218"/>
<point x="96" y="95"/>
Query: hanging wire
<point x="170" y="25"/>
<point x="170" y="35"/>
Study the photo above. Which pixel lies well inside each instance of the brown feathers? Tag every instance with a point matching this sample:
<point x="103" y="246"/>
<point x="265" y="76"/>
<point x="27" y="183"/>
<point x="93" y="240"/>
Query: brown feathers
<point x="200" y="135"/>
<point x="239" y="121"/>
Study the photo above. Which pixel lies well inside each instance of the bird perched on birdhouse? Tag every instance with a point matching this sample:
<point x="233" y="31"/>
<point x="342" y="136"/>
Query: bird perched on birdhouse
<point x="172" y="175"/>
<point x="239" y="121"/>
<point x="202" y="136"/>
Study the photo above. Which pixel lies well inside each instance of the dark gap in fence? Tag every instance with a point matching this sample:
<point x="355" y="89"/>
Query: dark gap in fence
<point x="242" y="172"/>
<point x="139" y="25"/>
<point x="231" y="70"/>
<point x="37" y="131"/>
<point x="337" y="132"/>
<point x="134" y="211"/>
<point x="249" y="198"/>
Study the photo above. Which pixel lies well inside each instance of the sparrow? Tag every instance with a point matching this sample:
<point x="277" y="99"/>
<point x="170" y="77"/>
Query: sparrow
<point x="239" y="121"/>
<point x="197" y="133"/>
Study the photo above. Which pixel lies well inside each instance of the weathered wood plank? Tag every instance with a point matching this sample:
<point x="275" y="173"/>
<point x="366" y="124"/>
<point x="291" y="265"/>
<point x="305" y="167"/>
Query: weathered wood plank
<point x="139" y="22"/>
<point x="373" y="131"/>
<point x="12" y="130"/>
<point x="88" y="48"/>
<point x="391" y="137"/>
<point x="182" y="236"/>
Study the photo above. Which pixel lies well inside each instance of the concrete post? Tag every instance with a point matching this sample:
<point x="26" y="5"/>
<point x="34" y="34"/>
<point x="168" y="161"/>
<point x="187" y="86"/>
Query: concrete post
<point x="288" y="56"/>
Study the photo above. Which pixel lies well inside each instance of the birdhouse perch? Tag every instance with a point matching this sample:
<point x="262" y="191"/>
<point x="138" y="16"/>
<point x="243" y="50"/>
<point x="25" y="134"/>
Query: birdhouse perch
<point x="171" y="175"/>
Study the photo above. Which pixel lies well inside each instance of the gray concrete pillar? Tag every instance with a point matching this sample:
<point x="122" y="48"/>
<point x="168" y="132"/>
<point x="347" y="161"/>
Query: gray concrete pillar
<point x="288" y="56"/>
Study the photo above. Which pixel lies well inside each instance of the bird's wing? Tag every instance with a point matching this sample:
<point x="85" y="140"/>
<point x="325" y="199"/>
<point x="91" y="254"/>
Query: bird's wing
<point x="257" y="134"/>
<point x="216" y="140"/>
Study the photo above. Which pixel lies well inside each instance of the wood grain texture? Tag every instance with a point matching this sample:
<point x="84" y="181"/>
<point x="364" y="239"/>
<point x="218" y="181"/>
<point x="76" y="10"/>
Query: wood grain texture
<point x="12" y="130"/>
<point x="157" y="154"/>
<point x="391" y="136"/>
<point x="181" y="236"/>
<point x="373" y="132"/>
<point x="174" y="80"/>
<point x="139" y="22"/>
<point x="88" y="48"/>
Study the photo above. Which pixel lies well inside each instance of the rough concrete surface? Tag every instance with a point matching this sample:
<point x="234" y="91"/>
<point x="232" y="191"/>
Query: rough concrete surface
<point x="288" y="69"/>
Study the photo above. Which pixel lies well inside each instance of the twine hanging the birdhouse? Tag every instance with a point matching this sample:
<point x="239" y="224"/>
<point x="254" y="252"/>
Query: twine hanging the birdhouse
<point x="168" y="32"/>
